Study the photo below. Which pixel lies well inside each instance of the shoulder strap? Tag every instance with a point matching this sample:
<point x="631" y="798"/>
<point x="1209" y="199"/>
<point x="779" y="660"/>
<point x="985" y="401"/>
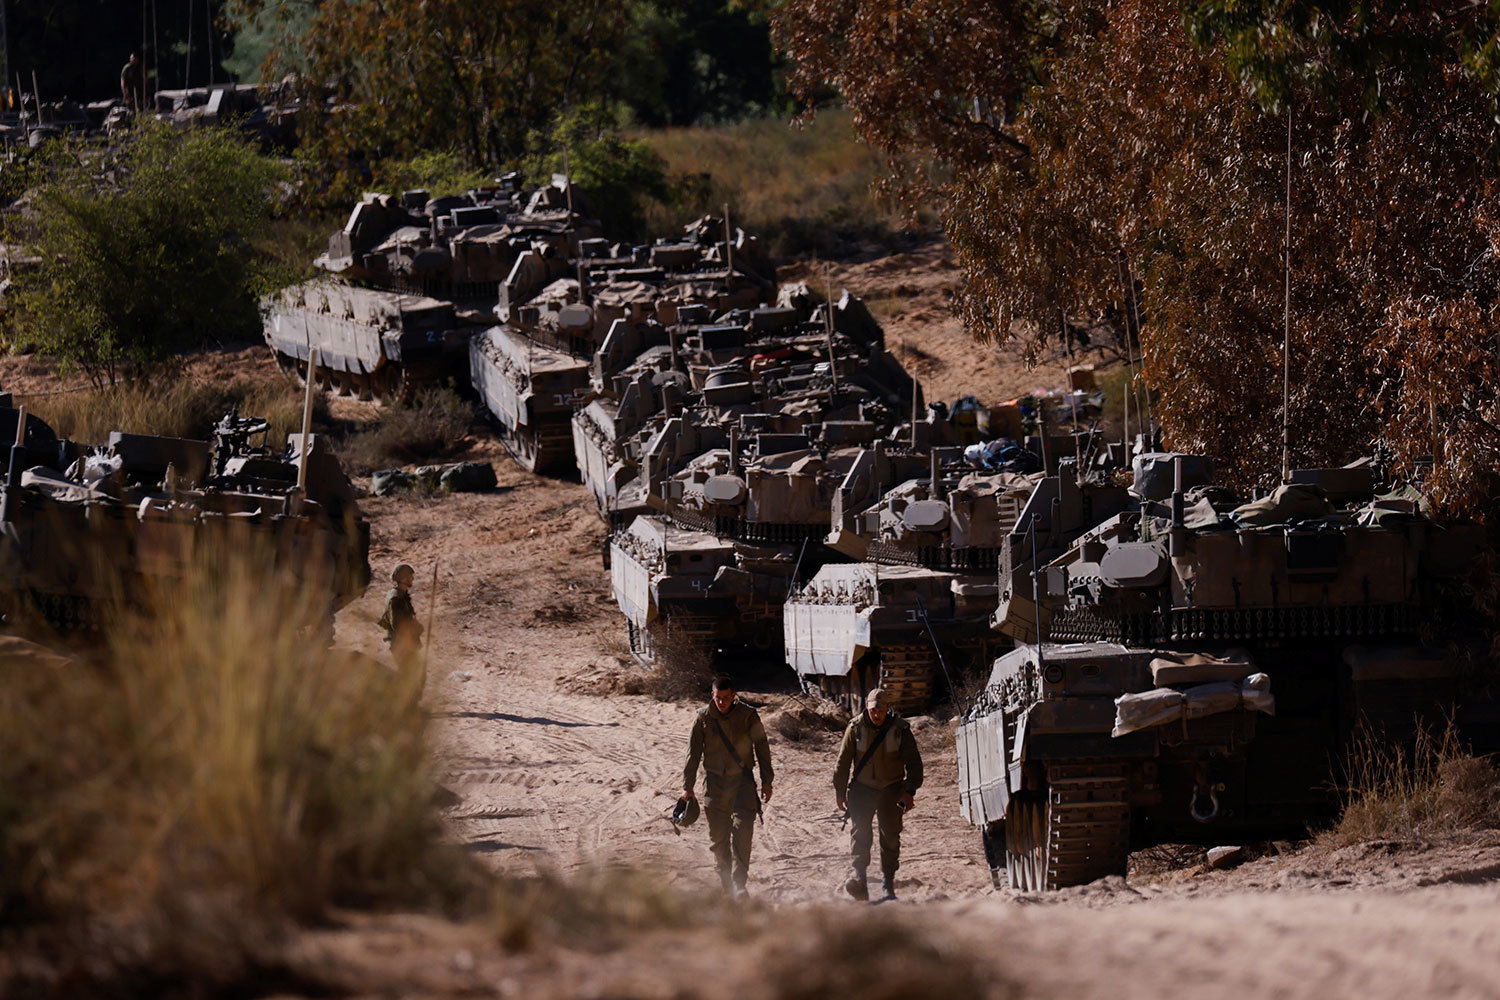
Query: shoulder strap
<point x="870" y="750"/>
<point x="728" y="745"/>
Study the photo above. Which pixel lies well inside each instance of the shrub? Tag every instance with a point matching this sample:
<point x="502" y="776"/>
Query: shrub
<point x="1433" y="788"/>
<point x="214" y="775"/>
<point x="433" y="424"/>
<point x="145" y="248"/>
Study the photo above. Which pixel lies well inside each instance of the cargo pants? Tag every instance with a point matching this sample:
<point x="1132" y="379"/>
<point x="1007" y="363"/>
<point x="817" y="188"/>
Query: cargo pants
<point x="729" y="802"/>
<point x="867" y="806"/>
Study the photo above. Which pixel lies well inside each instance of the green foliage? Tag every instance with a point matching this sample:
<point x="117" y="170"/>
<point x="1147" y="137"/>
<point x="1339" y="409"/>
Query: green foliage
<point x="1359" y="46"/>
<point x="620" y="176"/>
<point x="441" y="172"/>
<point x="146" y="249"/>
<point x="698" y="62"/>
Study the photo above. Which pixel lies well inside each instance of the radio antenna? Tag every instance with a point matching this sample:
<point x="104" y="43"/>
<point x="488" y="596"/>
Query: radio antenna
<point x="1286" y="335"/>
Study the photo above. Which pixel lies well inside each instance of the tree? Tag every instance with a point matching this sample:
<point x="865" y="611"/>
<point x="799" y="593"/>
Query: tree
<point x="1082" y="143"/>
<point x="146" y="250"/>
<point x="408" y="76"/>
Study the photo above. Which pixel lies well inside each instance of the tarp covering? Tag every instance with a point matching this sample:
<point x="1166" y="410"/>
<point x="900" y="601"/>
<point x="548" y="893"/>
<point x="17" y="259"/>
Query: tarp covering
<point x="1162" y="705"/>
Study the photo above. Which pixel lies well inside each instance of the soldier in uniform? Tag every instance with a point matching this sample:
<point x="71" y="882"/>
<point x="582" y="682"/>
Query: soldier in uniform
<point x="403" y="633"/>
<point x="724" y="737"/>
<point x="132" y="87"/>
<point x="886" y="767"/>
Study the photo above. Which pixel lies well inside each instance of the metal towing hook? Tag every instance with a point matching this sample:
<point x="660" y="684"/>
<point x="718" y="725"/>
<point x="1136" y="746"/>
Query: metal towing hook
<point x="1195" y="805"/>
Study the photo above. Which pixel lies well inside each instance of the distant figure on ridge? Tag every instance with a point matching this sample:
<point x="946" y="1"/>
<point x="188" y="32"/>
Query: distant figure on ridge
<point x="724" y="737"/>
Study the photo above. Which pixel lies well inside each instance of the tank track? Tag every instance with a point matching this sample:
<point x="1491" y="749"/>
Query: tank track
<point x="1074" y="832"/>
<point x="679" y="635"/>
<point x="547" y="446"/>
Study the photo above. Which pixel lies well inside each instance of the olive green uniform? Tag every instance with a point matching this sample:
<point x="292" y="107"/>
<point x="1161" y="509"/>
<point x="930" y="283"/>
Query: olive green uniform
<point x="729" y="798"/>
<point x="894" y="770"/>
<point x="403" y="633"/>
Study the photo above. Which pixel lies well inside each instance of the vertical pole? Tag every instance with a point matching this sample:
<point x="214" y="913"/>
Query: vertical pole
<point x="728" y="252"/>
<point x="307" y="406"/>
<point x="833" y="367"/>
<point x="36" y="92"/>
<point x="20" y="98"/>
<point x="1129" y="354"/>
<point x="187" y="60"/>
<point x="1072" y="395"/>
<point x="1286" y="335"/>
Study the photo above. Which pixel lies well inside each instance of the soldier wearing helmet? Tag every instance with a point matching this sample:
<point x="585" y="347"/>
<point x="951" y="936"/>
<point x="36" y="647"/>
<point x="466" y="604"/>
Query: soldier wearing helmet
<point x="877" y="777"/>
<point x="725" y="737"/>
<point x="403" y="633"/>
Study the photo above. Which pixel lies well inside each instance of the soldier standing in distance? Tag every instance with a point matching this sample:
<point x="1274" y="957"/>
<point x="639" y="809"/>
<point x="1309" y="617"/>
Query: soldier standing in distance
<point x="724" y="737"/>
<point x="403" y="633"/>
<point x="131" y="83"/>
<point x="886" y="773"/>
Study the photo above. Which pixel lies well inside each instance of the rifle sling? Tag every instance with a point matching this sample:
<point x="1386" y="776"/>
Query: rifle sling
<point x="735" y="754"/>
<point x="870" y="751"/>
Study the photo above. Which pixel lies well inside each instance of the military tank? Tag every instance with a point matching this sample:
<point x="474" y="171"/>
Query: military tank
<point x="760" y="502"/>
<point x="410" y="279"/>
<point x="84" y="529"/>
<point x="922" y="586"/>
<point x="758" y="361"/>
<point x="559" y="315"/>
<point x="1191" y="667"/>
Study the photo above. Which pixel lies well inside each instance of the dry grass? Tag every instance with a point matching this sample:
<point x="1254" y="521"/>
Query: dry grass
<point x="434" y="424"/>
<point x="799" y="190"/>
<point x="1432" y="789"/>
<point x="684" y="669"/>
<point x="210" y="777"/>
<point x="174" y="407"/>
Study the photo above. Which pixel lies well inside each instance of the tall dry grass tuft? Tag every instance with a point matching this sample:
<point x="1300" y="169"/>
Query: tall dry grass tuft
<point x="799" y="189"/>
<point x="1430" y="789"/>
<point x="173" y="407"/>
<point x="212" y="775"/>
<point x="434" y="424"/>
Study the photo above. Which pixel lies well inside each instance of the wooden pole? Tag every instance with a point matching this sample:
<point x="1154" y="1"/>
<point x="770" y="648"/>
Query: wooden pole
<point x="431" y="614"/>
<point x="307" y="406"/>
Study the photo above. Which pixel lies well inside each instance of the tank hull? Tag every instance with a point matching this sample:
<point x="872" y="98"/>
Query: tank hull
<point x="530" y="390"/>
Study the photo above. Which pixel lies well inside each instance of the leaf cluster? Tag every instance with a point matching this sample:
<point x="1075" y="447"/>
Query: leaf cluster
<point x="146" y="248"/>
<point x="1095" y="146"/>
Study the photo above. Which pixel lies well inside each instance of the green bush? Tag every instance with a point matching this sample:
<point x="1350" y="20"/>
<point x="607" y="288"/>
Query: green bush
<point x="146" y="249"/>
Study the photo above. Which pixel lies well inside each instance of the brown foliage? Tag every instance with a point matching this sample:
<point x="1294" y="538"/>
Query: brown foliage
<point x="1087" y="142"/>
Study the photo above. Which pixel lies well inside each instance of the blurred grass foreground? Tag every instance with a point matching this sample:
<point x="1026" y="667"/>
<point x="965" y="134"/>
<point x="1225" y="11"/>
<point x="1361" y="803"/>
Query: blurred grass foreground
<point x="211" y="774"/>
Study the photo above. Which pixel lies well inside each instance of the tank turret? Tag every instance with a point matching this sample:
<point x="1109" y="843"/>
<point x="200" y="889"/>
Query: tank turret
<point x="1201" y="663"/>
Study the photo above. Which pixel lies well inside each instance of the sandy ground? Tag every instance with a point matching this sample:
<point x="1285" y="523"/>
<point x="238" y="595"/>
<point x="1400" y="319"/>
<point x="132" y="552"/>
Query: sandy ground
<point x="555" y="770"/>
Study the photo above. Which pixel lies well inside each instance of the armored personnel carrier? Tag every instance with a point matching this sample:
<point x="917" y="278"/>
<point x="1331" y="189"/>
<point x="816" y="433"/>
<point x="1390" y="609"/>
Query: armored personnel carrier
<point x="923" y="583"/>
<point x="562" y="318"/>
<point x="411" y="279"/>
<point x="760" y="501"/>
<point x="1192" y="666"/>
<point x="82" y="529"/>
<point x="756" y="362"/>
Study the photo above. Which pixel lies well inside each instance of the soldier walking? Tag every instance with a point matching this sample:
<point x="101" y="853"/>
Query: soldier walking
<point x="882" y="785"/>
<point x="724" y="737"/>
<point x="403" y="633"/>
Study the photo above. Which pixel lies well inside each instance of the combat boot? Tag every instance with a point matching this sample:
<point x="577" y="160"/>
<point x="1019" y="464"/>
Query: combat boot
<point x="856" y="886"/>
<point x="887" y="886"/>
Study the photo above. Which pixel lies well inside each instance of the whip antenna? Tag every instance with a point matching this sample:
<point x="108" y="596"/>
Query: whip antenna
<point x="1286" y="334"/>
